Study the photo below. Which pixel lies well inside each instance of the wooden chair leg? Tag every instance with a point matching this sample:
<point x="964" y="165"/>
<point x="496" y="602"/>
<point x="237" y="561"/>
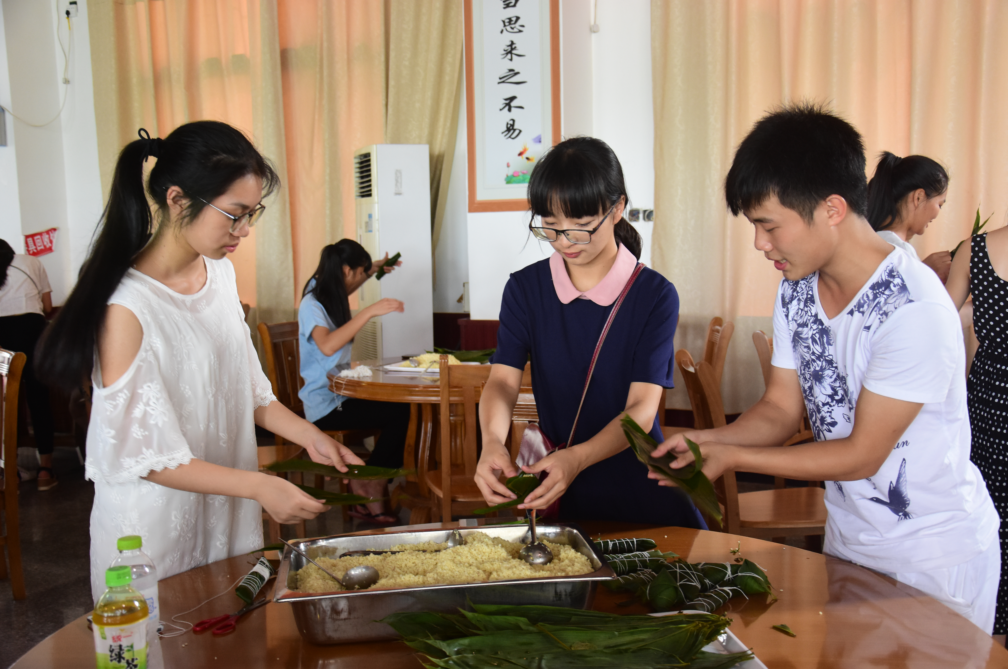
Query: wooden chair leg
<point x="13" y="541"/>
<point x="420" y="515"/>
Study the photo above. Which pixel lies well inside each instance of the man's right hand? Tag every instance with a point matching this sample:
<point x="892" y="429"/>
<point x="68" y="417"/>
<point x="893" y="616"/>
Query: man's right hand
<point x="494" y="460"/>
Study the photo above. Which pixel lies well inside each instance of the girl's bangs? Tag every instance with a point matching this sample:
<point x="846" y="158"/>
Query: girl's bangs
<point x="566" y="187"/>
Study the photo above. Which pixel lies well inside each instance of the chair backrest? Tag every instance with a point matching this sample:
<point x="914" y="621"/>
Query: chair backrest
<point x="9" y="423"/>
<point x="283" y="362"/>
<point x="708" y="412"/>
<point x="463" y="382"/>
<point x="764" y="350"/>
<point x="719" y="335"/>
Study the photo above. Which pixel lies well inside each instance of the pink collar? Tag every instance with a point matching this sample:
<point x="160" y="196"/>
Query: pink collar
<point x="607" y="290"/>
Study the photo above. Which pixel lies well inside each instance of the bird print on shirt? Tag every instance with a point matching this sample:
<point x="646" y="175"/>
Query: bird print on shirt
<point x="899" y="495"/>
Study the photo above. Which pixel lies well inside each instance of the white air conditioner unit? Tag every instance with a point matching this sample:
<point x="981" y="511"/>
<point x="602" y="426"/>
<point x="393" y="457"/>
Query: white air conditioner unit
<point x="392" y="194"/>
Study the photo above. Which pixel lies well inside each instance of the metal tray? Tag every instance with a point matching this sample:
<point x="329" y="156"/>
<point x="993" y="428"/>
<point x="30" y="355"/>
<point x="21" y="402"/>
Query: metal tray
<point x="349" y="617"/>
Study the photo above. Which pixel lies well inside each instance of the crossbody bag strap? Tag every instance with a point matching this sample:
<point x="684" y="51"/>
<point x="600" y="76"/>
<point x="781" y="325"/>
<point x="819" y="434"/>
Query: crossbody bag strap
<point x="598" y="347"/>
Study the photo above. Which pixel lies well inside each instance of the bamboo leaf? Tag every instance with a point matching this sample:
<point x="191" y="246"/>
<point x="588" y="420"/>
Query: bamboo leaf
<point x="336" y="498"/>
<point x="614" y="546"/>
<point x="690" y="478"/>
<point x="356" y="472"/>
<point x="467" y="356"/>
<point x="520" y="485"/>
<point x="784" y="629"/>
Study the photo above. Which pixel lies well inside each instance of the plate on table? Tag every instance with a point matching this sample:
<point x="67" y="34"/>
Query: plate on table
<point x="726" y="643"/>
<point x="409" y="370"/>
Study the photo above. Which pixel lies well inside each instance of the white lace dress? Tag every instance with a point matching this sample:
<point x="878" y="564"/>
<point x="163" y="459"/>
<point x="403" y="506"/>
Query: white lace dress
<point x="189" y="393"/>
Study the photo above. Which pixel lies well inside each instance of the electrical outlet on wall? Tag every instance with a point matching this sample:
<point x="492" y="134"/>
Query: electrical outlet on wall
<point x="68" y="8"/>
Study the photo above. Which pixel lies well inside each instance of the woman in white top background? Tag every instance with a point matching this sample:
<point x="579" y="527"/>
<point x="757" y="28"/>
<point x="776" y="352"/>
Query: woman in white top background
<point x="904" y="196"/>
<point x="25" y="301"/>
<point x="178" y="389"/>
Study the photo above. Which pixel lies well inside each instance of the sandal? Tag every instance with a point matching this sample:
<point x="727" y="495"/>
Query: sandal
<point x="361" y="513"/>
<point x="46" y="483"/>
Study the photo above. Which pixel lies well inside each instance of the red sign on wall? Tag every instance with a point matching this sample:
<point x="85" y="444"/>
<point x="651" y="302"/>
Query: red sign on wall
<point x="41" y="243"/>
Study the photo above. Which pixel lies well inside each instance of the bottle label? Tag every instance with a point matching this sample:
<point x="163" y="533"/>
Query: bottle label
<point x="254" y="580"/>
<point x="150" y="595"/>
<point x="121" y="645"/>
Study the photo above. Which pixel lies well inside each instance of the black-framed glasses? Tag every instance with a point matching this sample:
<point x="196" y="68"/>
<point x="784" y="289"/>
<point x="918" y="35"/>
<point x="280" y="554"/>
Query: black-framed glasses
<point x="573" y="236"/>
<point x="250" y="217"/>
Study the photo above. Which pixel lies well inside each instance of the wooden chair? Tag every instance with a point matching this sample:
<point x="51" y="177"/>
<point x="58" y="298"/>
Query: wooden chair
<point x="267" y="456"/>
<point x="765" y="514"/>
<point x="719" y="335"/>
<point x="451" y="481"/>
<point x="764" y="350"/>
<point x="9" y="499"/>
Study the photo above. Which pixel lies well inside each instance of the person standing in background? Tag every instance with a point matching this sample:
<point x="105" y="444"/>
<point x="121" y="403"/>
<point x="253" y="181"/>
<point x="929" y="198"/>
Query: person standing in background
<point x="25" y="301"/>
<point x="904" y="196"/>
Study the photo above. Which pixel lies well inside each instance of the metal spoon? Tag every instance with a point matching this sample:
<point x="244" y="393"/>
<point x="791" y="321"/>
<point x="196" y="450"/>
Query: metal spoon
<point x="355" y="578"/>
<point x="536" y="552"/>
<point x="454" y="539"/>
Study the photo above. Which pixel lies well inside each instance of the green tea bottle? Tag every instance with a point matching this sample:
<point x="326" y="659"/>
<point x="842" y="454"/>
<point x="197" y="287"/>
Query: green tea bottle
<point x="120" y="623"/>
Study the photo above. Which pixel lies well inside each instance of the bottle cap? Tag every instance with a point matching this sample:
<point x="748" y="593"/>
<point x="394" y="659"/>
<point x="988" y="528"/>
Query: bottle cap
<point x="130" y="543"/>
<point x="118" y="576"/>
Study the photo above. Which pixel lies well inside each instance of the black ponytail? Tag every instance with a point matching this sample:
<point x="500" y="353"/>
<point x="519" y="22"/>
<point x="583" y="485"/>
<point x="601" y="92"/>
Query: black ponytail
<point x="203" y="159"/>
<point x="330" y="288"/>
<point x="6" y="258"/>
<point x="582" y="177"/>
<point x="894" y="179"/>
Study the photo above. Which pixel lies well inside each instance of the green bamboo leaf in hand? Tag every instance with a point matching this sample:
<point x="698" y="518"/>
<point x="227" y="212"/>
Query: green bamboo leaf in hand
<point x="690" y="478"/>
<point x="336" y="498"/>
<point x="520" y="485"/>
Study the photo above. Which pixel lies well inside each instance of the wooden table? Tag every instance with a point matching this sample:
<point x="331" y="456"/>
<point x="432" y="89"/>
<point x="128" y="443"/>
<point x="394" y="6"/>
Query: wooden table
<point x="844" y="616"/>
<point x="424" y="392"/>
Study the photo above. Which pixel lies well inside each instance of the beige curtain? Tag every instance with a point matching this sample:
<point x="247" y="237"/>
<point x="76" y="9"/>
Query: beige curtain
<point x="925" y="77"/>
<point x="307" y="80"/>
<point x="161" y="64"/>
<point x="424" y="85"/>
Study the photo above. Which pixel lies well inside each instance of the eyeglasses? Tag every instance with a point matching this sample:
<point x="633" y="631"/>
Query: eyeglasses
<point x="237" y="221"/>
<point x="573" y="236"/>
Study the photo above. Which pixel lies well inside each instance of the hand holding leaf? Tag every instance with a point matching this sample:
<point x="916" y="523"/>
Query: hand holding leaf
<point x="690" y="478"/>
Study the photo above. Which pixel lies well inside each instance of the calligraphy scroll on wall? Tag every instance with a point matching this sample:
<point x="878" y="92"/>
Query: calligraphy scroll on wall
<point x="512" y="96"/>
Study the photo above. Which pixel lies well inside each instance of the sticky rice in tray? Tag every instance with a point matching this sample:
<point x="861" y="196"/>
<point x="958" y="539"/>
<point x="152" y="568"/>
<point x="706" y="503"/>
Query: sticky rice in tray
<point x="481" y="559"/>
<point x="485" y="570"/>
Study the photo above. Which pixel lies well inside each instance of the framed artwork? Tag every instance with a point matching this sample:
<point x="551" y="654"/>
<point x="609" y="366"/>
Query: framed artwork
<point x="512" y="63"/>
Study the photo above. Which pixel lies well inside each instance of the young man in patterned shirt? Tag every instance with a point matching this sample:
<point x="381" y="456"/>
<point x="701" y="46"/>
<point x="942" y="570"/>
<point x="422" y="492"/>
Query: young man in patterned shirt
<point x="869" y="344"/>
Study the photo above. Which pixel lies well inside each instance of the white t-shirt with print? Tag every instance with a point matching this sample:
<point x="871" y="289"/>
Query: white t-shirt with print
<point x="927" y="507"/>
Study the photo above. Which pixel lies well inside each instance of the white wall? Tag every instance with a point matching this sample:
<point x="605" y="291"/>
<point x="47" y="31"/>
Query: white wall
<point x="10" y="206"/>
<point x="49" y="175"/>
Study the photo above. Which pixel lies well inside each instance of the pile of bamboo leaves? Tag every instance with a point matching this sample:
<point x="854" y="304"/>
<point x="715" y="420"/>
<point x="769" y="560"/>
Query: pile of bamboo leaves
<point x="678" y="585"/>
<point x="548" y="637"/>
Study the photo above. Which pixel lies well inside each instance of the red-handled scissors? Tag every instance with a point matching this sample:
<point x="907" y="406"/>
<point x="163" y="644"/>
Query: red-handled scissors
<point x="225" y="624"/>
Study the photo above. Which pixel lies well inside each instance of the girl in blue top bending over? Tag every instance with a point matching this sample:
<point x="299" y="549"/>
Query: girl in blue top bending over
<point x="553" y="312"/>
<point x="326" y="331"/>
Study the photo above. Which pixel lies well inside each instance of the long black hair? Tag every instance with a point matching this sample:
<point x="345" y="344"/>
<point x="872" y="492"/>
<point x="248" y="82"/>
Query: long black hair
<point x="582" y="177"/>
<point x="6" y="258"/>
<point x="203" y="159"/>
<point x="894" y="179"/>
<point x="329" y="287"/>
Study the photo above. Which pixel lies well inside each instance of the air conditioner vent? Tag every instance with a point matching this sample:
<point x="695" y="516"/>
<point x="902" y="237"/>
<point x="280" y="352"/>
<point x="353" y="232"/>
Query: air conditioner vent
<point x="362" y="176"/>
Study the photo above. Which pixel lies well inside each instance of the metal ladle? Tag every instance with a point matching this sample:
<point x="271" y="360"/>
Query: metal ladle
<point x="536" y="552"/>
<point x="355" y="578"/>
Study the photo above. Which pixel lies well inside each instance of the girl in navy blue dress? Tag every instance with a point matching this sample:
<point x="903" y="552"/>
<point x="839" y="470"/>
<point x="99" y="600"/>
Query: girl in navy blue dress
<point x="553" y="312"/>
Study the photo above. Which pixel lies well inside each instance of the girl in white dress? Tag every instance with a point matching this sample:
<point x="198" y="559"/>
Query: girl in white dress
<point x="177" y="386"/>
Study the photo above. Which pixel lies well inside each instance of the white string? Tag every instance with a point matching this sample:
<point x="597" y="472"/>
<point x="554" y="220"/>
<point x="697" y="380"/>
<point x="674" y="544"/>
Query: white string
<point x="66" y="68"/>
<point x="183" y="630"/>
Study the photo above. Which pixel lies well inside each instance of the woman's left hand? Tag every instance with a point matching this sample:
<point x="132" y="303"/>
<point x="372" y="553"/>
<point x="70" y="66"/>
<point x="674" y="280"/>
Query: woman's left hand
<point x="327" y="451"/>
<point x="561" y="467"/>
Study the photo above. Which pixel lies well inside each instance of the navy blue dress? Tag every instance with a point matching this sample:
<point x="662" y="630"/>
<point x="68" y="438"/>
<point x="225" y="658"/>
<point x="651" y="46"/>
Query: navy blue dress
<point x="561" y="338"/>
